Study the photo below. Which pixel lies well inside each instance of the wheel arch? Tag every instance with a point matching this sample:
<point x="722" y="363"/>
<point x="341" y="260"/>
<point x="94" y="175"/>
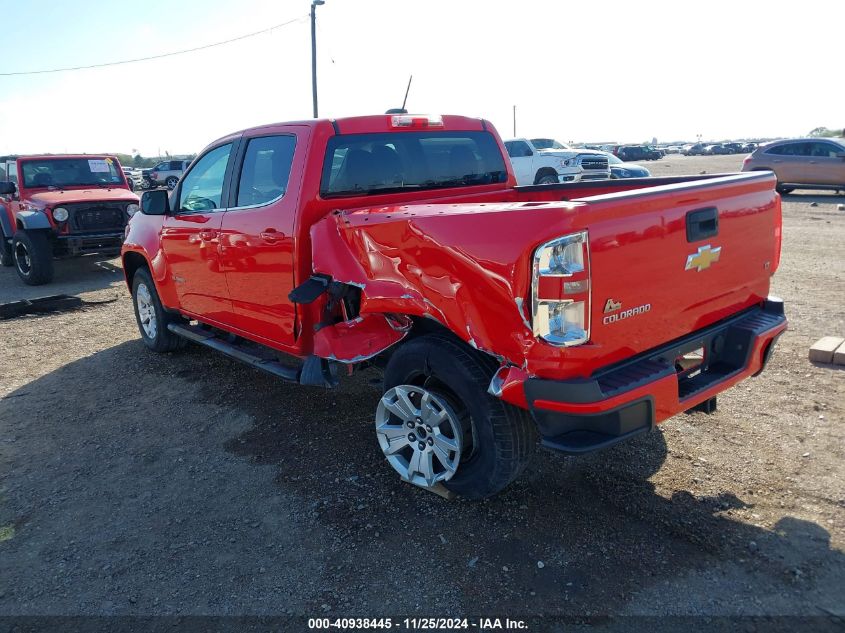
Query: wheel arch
<point x="132" y="261"/>
<point x="32" y="220"/>
<point x="544" y="171"/>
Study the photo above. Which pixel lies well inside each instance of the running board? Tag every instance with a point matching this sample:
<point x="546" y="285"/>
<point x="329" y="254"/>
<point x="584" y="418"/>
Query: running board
<point x="210" y="339"/>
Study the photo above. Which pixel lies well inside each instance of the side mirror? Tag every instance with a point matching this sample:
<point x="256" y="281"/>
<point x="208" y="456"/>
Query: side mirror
<point x="155" y="202"/>
<point x="8" y="188"/>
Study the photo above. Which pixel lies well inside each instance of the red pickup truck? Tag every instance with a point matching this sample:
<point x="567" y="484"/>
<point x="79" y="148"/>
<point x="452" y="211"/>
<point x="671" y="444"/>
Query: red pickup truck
<point x="584" y="313"/>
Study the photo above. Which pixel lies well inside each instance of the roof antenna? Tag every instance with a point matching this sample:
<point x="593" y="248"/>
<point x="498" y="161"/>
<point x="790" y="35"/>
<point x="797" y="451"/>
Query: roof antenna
<point x="402" y="110"/>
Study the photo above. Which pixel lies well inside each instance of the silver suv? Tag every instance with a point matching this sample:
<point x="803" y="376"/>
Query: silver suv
<point x="168" y="172"/>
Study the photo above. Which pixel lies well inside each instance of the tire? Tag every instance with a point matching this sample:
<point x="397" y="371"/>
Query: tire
<point x="146" y="183"/>
<point x="32" y="255"/>
<point x="5" y="251"/>
<point x="498" y="439"/>
<point x="547" y="179"/>
<point x="784" y="190"/>
<point x="171" y="182"/>
<point x="148" y="310"/>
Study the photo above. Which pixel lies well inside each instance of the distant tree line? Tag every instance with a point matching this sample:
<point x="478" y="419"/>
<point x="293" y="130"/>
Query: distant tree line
<point x="823" y="131"/>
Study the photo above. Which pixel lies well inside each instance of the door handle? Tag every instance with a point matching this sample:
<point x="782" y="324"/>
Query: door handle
<point x="271" y="236"/>
<point x="207" y="235"/>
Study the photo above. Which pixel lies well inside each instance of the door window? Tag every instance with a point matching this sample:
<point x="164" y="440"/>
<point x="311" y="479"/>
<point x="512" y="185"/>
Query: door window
<point x="826" y="150"/>
<point x="202" y="187"/>
<point x="519" y="149"/>
<point x="266" y="169"/>
<point x="790" y="149"/>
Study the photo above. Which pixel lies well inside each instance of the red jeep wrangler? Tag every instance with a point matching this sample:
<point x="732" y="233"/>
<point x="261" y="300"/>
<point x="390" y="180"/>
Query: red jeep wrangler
<point x="60" y="206"/>
<point x="585" y="313"/>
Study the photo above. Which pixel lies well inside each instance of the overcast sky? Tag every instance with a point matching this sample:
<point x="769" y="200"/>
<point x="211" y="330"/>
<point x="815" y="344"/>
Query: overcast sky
<point x="582" y="71"/>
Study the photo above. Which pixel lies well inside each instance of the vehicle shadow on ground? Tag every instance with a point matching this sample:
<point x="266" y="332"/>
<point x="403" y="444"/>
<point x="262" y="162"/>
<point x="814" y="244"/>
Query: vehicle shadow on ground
<point x="572" y="536"/>
<point x="72" y="276"/>
<point x="830" y="197"/>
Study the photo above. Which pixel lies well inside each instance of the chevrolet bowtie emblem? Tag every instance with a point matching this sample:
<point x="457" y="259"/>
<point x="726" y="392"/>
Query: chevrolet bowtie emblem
<point x="705" y="256"/>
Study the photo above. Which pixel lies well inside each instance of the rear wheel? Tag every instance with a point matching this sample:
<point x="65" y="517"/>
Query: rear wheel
<point x="151" y="316"/>
<point x="436" y="423"/>
<point x="32" y="255"/>
<point x="171" y="182"/>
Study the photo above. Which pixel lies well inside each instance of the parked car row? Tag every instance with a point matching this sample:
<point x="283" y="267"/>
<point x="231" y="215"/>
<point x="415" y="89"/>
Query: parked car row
<point x="717" y="149"/>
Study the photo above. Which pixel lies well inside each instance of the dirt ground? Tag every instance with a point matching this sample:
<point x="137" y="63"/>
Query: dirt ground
<point x="132" y="483"/>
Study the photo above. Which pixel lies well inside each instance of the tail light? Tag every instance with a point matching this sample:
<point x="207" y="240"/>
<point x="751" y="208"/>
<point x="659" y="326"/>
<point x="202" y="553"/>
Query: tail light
<point x="416" y="121"/>
<point x="154" y="175"/>
<point x="560" y="290"/>
<point x="746" y="160"/>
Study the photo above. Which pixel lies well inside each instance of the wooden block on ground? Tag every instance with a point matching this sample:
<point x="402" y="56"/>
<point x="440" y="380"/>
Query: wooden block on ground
<point x="822" y="350"/>
<point x="438" y="489"/>
<point x="839" y="355"/>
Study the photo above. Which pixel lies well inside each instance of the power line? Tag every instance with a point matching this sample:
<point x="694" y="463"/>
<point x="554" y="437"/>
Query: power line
<point x="159" y="56"/>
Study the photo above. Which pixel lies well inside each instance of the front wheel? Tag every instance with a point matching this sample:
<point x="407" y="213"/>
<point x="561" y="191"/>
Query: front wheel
<point x="33" y="257"/>
<point x="782" y="190"/>
<point x="436" y="423"/>
<point x="548" y="179"/>
<point x="151" y="316"/>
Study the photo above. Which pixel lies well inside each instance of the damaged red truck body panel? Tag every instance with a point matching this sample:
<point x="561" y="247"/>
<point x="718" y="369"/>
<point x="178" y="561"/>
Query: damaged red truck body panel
<point x="602" y="308"/>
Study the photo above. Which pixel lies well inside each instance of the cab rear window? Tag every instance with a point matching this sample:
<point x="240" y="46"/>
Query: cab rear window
<point x="371" y="164"/>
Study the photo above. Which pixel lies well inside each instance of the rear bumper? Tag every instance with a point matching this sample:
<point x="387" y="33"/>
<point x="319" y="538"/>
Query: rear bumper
<point x="578" y="416"/>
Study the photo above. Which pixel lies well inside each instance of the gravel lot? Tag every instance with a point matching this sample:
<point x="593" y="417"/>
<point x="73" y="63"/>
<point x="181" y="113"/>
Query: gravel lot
<point x="132" y="483"/>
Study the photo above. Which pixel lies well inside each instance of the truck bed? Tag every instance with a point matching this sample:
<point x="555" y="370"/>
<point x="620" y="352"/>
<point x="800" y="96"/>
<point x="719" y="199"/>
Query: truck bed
<point x="639" y="243"/>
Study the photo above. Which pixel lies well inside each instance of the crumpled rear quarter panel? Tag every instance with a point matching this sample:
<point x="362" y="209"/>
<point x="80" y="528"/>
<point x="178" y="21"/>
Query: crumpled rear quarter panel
<point x="461" y="265"/>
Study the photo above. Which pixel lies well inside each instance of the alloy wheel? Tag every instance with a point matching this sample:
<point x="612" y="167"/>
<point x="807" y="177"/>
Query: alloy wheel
<point x="420" y="434"/>
<point x="146" y="311"/>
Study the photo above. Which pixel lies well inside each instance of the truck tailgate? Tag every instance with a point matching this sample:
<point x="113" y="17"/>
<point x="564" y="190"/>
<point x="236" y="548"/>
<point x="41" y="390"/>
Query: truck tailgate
<point x="668" y="260"/>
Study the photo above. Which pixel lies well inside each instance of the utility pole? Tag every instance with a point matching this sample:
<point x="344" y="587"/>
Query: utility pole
<point x="314" y="5"/>
<point x="514" y="121"/>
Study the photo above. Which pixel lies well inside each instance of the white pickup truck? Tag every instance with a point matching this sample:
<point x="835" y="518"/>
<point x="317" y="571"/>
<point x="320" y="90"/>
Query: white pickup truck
<point x="541" y="161"/>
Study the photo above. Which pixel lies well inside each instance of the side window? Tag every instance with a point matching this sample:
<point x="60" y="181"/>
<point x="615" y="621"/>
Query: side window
<point x="826" y="150"/>
<point x="266" y="169"/>
<point x="202" y="187"/>
<point x="521" y="149"/>
<point x="790" y="149"/>
<point x="509" y="148"/>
